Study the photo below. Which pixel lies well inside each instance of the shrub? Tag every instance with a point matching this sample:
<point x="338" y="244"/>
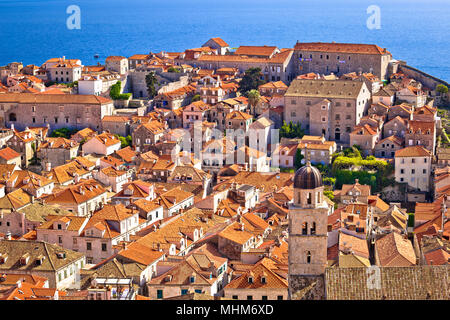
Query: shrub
<point x="115" y="94"/>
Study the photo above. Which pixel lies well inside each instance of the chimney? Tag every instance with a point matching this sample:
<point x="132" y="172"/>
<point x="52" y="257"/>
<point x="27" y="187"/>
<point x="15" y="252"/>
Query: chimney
<point x="48" y="166"/>
<point x="124" y="245"/>
<point x="12" y="126"/>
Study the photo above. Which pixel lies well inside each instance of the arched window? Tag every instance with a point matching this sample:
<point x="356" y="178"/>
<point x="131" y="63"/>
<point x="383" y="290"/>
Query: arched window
<point x="308" y="256"/>
<point x="12" y="117"/>
<point x="309" y="198"/>
<point x="305" y="228"/>
<point x="313" y="228"/>
<point x="337" y="134"/>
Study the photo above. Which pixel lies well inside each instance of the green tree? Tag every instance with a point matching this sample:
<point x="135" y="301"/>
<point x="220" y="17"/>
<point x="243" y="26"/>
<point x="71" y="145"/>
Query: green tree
<point x="35" y="159"/>
<point x="196" y="98"/>
<point x="329" y="194"/>
<point x="172" y="69"/>
<point x="151" y="81"/>
<point x="253" y="97"/>
<point x="291" y="130"/>
<point x="442" y="88"/>
<point x="62" y="133"/>
<point x="298" y="159"/>
<point x="251" y="80"/>
<point x="124" y="141"/>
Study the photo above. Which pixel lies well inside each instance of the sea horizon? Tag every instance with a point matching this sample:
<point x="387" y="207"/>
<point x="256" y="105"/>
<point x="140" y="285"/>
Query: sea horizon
<point x="35" y="31"/>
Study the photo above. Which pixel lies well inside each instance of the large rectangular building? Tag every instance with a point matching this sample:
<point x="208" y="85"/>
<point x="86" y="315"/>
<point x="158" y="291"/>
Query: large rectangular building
<point x="56" y="110"/>
<point x="331" y="108"/>
<point x="341" y="58"/>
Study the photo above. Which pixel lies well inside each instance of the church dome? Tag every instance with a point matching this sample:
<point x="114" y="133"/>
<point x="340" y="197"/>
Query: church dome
<point x="307" y="177"/>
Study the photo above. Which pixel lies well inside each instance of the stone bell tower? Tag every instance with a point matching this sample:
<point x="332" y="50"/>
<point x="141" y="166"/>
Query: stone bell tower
<point x="308" y="219"/>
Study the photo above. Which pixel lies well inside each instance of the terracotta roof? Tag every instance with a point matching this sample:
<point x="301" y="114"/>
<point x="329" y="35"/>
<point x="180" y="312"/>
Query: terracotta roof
<point x="395" y="251"/>
<point x="256" y="50"/>
<point x="238" y="115"/>
<point x="341" y="47"/>
<point x="413" y="151"/>
<point x="115" y="58"/>
<point x="34" y="249"/>
<point x="78" y="193"/>
<point x="274" y="85"/>
<point x="234" y="233"/>
<point x="30" y="98"/>
<point x="220" y="42"/>
<point x="58" y="143"/>
<point x="423" y="126"/>
<point x="126" y="154"/>
<point x="396" y="283"/>
<point x="8" y="154"/>
<point x="262" y="277"/>
<point x="344" y="89"/>
<point x="106" y="138"/>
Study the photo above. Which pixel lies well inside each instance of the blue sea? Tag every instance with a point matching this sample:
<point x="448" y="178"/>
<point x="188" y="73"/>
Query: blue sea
<point x="33" y="31"/>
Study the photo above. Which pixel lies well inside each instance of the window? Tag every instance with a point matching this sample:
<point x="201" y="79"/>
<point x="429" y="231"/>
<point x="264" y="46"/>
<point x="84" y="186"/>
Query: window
<point x="88" y="246"/>
<point x="159" y="294"/>
<point x="192" y="279"/>
<point x="60" y="239"/>
<point x="424" y="171"/>
<point x="249" y="297"/>
<point x="305" y="228"/>
<point x="293" y="101"/>
<point x="198" y="290"/>
<point x="235" y="297"/>
<point x="308" y="257"/>
<point x="264" y="298"/>
<point x="184" y="291"/>
<point x="313" y="228"/>
<point x="338" y="116"/>
<point x="103" y="246"/>
<point x="280" y="298"/>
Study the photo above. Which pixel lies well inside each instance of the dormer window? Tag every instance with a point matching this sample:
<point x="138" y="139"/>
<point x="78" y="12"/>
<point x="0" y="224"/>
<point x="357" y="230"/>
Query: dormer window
<point x="24" y="259"/>
<point x="263" y="279"/>
<point x="192" y="279"/>
<point x="250" y="279"/>
<point x="39" y="260"/>
<point x="3" y="258"/>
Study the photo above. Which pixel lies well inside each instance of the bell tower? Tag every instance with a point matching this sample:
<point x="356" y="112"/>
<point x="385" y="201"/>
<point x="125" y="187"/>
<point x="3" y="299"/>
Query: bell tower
<point x="308" y="219"/>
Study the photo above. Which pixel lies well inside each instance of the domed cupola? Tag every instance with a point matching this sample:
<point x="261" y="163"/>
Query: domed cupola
<point x="307" y="177"/>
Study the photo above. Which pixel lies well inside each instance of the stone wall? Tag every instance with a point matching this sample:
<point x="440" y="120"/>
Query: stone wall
<point x="306" y="287"/>
<point x="393" y="193"/>
<point x="427" y="80"/>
